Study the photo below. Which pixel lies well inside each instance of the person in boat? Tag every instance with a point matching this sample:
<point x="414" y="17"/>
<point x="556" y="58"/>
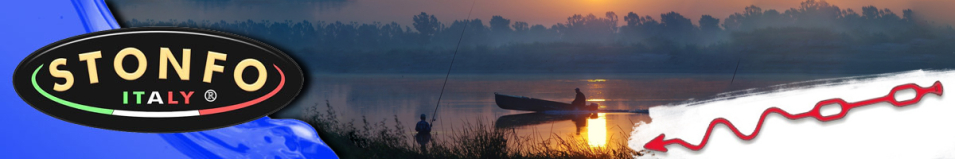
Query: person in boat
<point x="423" y="137"/>
<point x="580" y="101"/>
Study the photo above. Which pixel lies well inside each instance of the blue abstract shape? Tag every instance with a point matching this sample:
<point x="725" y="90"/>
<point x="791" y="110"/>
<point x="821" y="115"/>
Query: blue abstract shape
<point x="28" y="133"/>
<point x="94" y="15"/>
<point x="261" y="138"/>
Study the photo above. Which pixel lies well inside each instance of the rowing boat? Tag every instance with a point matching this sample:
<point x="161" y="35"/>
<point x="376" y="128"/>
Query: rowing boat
<point x="512" y="102"/>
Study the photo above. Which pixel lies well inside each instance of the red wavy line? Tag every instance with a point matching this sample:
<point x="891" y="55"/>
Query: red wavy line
<point x="658" y="144"/>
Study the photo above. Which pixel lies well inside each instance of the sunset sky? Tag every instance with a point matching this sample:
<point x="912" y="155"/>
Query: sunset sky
<point x="547" y="12"/>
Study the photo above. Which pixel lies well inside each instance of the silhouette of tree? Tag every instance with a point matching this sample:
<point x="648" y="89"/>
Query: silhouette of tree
<point x="520" y="26"/>
<point x="477" y="32"/>
<point x="678" y="28"/>
<point x="612" y="20"/>
<point x="813" y="13"/>
<point x="871" y="26"/>
<point x="426" y="25"/>
<point x="500" y="25"/>
<point x="709" y="29"/>
<point x="709" y="24"/>
<point x="368" y="34"/>
<point x="746" y="21"/>
<point x="908" y="15"/>
<point x="588" y="28"/>
<point x="639" y="28"/>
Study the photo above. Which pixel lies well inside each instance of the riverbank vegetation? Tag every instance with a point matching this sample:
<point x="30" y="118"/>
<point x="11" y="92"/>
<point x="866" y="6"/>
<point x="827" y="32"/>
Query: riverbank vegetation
<point x="474" y="140"/>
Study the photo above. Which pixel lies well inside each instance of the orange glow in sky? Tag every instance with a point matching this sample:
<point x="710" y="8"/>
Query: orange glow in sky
<point x="546" y="12"/>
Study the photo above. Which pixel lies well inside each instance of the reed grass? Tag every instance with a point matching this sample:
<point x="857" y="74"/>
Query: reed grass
<point x="476" y="140"/>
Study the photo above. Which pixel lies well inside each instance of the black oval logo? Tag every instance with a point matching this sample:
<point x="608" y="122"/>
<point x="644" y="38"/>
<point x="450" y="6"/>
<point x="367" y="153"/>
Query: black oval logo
<point x="158" y="79"/>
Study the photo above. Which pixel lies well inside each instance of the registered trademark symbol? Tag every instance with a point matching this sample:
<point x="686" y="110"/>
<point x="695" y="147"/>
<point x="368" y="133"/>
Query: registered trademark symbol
<point x="210" y="95"/>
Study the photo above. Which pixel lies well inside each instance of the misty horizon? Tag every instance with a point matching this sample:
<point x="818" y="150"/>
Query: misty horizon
<point x="814" y="37"/>
<point x="352" y="10"/>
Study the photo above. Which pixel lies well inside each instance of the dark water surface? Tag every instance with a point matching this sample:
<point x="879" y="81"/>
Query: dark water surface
<point x="470" y="99"/>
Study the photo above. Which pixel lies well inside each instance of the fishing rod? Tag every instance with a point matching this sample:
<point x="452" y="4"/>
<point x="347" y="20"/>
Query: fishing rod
<point x="452" y="63"/>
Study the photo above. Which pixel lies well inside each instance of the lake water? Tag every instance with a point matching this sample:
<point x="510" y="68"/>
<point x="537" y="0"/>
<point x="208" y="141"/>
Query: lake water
<point x="470" y="99"/>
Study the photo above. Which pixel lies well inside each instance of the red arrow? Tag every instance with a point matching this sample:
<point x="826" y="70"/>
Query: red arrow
<point x="658" y="144"/>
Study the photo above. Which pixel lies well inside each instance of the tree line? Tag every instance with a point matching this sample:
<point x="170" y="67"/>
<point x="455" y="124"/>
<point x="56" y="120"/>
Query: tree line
<point x="427" y="31"/>
<point x="814" y="30"/>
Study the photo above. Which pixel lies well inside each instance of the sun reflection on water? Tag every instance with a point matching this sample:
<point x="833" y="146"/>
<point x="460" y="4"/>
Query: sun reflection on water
<point x="596" y="100"/>
<point x="597" y="131"/>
